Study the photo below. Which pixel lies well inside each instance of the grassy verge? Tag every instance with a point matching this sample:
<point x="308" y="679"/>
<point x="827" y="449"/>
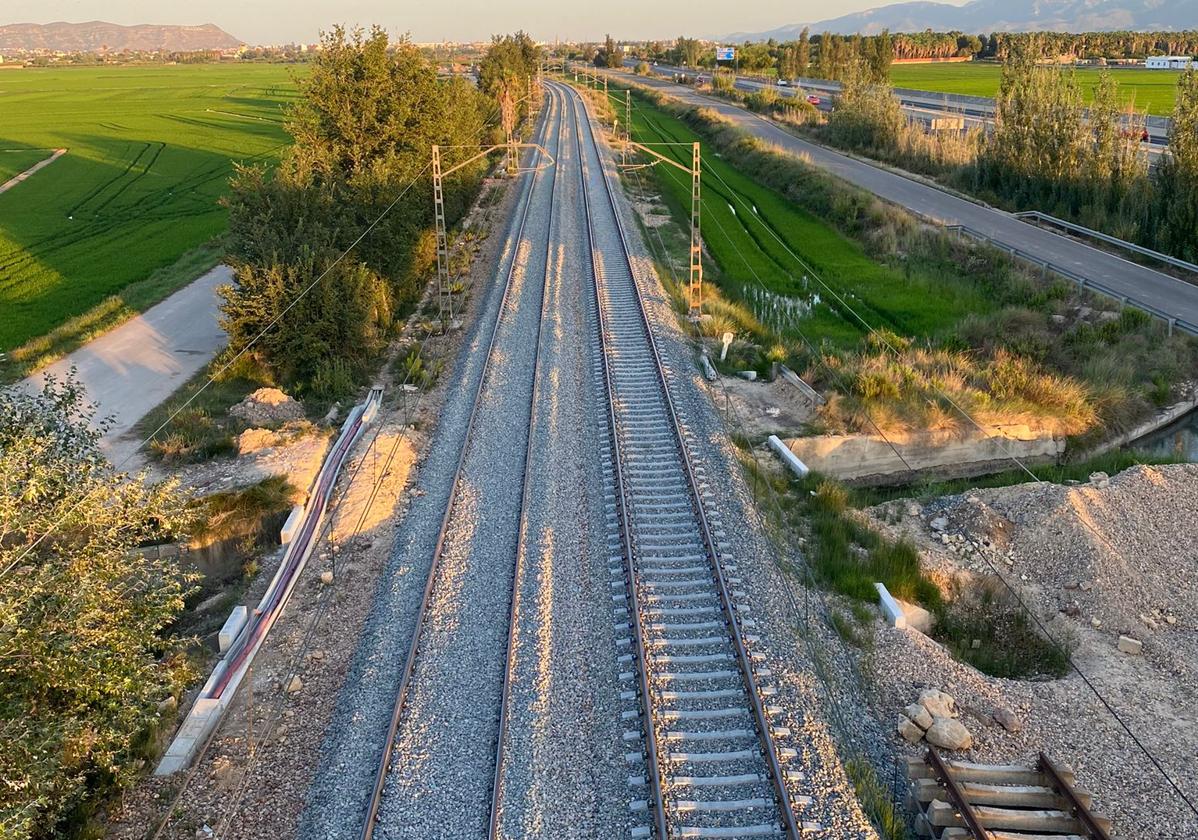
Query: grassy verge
<point x="134" y="299"/>
<point x="203" y="429"/>
<point x="959" y="324"/>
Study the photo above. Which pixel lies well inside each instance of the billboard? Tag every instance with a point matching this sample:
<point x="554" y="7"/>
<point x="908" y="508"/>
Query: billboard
<point x="725" y="53"/>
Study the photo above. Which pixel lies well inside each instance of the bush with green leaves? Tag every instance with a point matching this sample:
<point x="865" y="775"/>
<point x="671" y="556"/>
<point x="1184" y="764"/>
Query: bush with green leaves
<point x="85" y="653"/>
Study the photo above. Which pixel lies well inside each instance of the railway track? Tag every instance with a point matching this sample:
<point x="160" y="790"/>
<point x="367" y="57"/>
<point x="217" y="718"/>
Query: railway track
<point x="383" y="817"/>
<point x="711" y="759"/>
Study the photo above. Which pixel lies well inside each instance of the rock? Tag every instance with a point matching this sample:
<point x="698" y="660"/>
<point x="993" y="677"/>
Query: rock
<point x="911" y="733"/>
<point x="917" y="618"/>
<point x="1108" y="315"/>
<point x="1100" y="480"/>
<point x="326" y="577"/>
<point x="1170" y="619"/>
<point x="1007" y="719"/>
<point x="938" y="703"/>
<point x="167" y="704"/>
<point x="949" y="734"/>
<point x="1059" y="319"/>
<point x="749" y="375"/>
<point x="266" y="406"/>
<point x="294" y="685"/>
<point x="918" y="715"/>
<point x="914" y="509"/>
<point x="256" y="440"/>
<point x="1129" y="645"/>
<point x="317" y="655"/>
<point x="938" y="524"/>
<point x="1085" y="586"/>
<point x="204" y="832"/>
<point x="1095" y="622"/>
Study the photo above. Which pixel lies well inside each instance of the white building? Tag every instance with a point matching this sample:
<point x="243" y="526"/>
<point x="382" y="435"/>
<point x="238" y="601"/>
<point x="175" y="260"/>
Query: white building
<point x="1170" y="62"/>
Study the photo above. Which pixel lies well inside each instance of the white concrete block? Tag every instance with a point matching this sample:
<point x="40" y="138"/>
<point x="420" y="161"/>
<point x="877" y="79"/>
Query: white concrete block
<point x="232" y="627"/>
<point x="292" y="525"/>
<point x="891" y="608"/>
<point x="789" y="458"/>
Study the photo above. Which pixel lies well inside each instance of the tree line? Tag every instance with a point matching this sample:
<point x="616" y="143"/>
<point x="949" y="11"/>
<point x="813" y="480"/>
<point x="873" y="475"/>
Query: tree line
<point x="368" y="113"/>
<point x="833" y="56"/>
<point x="1048" y="151"/>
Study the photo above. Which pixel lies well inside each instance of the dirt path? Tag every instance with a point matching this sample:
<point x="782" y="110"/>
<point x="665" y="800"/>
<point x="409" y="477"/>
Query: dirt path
<point x="31" y="171"/>
<point x="136" y="366"/>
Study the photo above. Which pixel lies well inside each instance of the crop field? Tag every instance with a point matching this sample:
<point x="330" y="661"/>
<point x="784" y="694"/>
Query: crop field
<point x="744" y="226"/>
<point x="1153" y="91"/>
<point x="150" y="153"/>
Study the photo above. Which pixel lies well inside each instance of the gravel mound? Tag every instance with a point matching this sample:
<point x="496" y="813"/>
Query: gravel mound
<point x="267" y="406"/>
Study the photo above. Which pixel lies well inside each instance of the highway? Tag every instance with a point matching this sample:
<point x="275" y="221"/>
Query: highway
<point x="1169" y="295"/>
<point x="978" y="111"/>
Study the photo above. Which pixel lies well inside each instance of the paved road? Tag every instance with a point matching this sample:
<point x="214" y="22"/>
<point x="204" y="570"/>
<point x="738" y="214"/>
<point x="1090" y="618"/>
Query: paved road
<point x="1167" y="294"/>
<point x="136" y="366"/>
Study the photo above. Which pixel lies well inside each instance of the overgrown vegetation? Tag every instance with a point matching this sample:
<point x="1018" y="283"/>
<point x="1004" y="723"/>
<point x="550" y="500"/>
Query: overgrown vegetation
<point x="368" y="112"/>
<point x="243" y="514"/>
<point x="982" y="625"/>
<point x="85" y="659"/>
<point x="189" y="432"/>
<point x="955" y="320"/>
<point x="1050" y="150"/>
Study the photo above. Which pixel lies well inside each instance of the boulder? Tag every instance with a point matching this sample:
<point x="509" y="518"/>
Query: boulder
<point x="1129" y="645"/>
<point x="1007" y="719"/>
<point x="1100" y="480"/>
<point x="917" y="617"/>
<point x="949" y="734"/>
<point x="939" y="523"/>
<point x="911" y="733"/>
<point x="294" y="685"/>
<point x="938" y="703"/>
<point x="918" y="715"/>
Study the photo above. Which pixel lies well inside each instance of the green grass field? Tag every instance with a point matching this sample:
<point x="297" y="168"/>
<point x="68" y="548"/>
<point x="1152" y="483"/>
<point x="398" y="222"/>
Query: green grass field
<point x="150" y="153"/>
<point x="1153" y="91"/>
<point x="740" y="220"/>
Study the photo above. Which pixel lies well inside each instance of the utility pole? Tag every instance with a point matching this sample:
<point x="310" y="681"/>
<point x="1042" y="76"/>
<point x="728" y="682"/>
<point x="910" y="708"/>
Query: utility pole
<point x="695" y="298"/>
<point x="507" y="114"/>
<point x="695" y="284"/>
<point x="444" y="295"/>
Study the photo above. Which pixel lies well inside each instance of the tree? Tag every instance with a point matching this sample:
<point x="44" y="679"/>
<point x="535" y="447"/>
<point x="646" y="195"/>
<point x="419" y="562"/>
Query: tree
<point x="803" y="57"/>
<point x="367" y="117"/>
<point x="1176" y="180"/>
<point x="687" y="52"/>
<point x="85" y="654"/>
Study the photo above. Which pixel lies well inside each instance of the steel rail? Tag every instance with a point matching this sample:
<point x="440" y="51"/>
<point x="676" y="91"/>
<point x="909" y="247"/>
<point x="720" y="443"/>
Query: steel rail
<point x="525" y="496"/>
<point x="1080" y="811"/>
<point x="945" y="776"/>
<point x="656" y="794"/>
<point x="384" y="765"/>
<point x="777" y="776"/>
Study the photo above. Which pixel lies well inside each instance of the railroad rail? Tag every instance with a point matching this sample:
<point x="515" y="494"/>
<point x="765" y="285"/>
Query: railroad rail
<point x="712" y="764"/>
<point x="375" y="802"/>
<point x="955" y="800"/>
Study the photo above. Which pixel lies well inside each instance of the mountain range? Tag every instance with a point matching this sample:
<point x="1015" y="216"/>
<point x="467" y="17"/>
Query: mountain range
<point x="95" y="36"/>
<point x="1003" y="16"/>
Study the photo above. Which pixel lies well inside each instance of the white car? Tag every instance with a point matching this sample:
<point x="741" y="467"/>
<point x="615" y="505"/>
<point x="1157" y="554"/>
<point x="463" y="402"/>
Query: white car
<point x="783" y="83"/>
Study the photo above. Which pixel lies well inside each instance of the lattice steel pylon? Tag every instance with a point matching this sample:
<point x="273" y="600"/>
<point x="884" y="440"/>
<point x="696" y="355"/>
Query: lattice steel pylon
<point x="444" y="292"/>
<point x="695" y="290"/>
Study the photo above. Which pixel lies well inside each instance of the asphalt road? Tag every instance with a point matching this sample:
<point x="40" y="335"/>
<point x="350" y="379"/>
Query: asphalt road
<point x="1167" y="294"/>
<point x="136" y="366"/>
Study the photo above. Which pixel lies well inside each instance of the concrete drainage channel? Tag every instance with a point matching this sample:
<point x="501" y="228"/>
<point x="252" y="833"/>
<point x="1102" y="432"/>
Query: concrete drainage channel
<point x="243" y="634"/>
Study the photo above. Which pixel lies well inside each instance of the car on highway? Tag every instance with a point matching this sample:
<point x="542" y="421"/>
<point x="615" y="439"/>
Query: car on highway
<point x="813" y="99"/>
<point x="783" y="83"/>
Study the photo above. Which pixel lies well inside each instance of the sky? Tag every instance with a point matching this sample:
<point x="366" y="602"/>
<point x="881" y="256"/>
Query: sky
<point x="281" y="21"/>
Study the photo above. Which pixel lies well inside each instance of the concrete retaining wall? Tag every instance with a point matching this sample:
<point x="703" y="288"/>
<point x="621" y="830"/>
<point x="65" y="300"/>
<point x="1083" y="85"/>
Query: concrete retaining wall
<point x="870" y="459"/>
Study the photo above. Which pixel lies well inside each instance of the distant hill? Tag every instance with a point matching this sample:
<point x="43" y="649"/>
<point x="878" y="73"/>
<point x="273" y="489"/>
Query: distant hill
<point x="1005" y="16"/>
<point x="97" y="35"/>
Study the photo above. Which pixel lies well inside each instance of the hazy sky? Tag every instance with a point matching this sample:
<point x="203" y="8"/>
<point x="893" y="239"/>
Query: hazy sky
<point x="276" y="21"/>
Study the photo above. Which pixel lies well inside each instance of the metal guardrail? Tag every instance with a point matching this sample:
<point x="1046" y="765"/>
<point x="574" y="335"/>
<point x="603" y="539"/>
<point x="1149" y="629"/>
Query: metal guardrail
<point x="1107" y="238"/>
<point x="1171" y="320"/>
